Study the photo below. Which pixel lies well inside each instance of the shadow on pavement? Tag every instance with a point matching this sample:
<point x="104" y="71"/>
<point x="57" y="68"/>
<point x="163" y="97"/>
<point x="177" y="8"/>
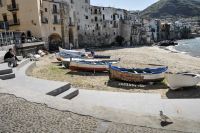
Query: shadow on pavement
<point x="184" y="93"/>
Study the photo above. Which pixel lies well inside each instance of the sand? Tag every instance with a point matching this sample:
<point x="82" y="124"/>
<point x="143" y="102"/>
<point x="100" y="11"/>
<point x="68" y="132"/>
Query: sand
<point x="49" y="68"/>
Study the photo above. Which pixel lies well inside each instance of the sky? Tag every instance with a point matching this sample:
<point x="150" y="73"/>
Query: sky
<point x="124" y="4"/>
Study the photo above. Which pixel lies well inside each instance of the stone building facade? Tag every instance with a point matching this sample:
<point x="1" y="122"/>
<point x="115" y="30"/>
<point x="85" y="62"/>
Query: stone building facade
<point x="44" y="19"/>
<point x="69" y="23"/>
<point x="106" y="23"/>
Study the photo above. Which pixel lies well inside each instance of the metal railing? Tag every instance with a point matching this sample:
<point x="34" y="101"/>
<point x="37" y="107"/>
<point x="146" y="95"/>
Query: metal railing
<point x="71" y="24"/>
<point x="56" y="22"/>
<point x="13" y="7"/>
<point x="55" y="11"/>
<point x="14" y="22"/>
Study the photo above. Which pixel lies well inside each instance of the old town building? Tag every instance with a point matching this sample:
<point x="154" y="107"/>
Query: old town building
<point x="66" y="23"/>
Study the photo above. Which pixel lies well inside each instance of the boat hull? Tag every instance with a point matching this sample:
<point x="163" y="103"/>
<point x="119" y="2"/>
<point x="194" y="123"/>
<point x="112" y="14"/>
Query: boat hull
<point x="135" y="78"/>
<point x="66" y="61"/>
<point x="177" y="81"/>
<point x="75" y="66"/>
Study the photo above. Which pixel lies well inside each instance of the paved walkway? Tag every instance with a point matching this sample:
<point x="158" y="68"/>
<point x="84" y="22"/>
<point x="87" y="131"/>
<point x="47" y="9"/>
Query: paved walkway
<point x="134" y="109"/>
<point x="2" y="53"/>
<point x="18" y="115"/>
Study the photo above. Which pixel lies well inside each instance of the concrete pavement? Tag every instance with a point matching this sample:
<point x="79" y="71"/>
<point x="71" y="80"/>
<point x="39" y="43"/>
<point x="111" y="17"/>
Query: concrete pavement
<point x="19" y="115"/>
<point x="134" y="109"/>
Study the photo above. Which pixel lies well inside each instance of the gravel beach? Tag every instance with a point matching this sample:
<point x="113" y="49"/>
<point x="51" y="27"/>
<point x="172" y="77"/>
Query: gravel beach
<point x="20" y="116"/>
<point x="48" y="68"/>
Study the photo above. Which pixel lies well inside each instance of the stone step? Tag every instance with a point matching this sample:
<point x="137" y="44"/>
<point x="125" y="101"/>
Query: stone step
<point x="5" y="71"/>
<point x="22" y="63"/>
<point x="7" y="76"/>
<point x="69" y="94"/>
<point x="59" y="90"/>
<point x="20" y="57"/>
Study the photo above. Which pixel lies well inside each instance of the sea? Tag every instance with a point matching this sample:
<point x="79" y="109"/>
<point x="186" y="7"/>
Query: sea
<point x="188" y="46"/>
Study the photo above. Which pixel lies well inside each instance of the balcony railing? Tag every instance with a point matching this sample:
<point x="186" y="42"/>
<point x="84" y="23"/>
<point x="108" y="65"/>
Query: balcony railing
<point x="13" y="7"/>
<point x="56" y="22"/>
<point x="14" y="22"/>
<point x="55" y="11"/>
<point x="71" y="24"/>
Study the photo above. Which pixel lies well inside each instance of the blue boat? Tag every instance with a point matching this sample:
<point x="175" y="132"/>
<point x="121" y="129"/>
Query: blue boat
<point x="137" y="75"/>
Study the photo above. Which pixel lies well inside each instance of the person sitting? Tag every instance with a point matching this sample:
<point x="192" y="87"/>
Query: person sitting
<point x="11" y="58"/>
<point x="92" y="53"/>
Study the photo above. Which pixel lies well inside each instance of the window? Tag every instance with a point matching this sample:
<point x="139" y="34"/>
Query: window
<point x="45" y="9"/>
<point x="86" y="1"/>
<point x="72" y="1"/>
<point x="70" y="20"/>
<point x="86" y="17"/>
<point x="15" y="18"/>
<point x="41" y="3"/>
<point x="1" y="4"/>
<point x="95" y="11"/>
<point x="55" y="8"/>
<point x="114" y="17"/>
<point x="103" y="17"/>
<point x="96" y="19"/>
<point x="55" y="19"/>
<point x="5" y="17"/>
<point x="13" y="3"/>
<point x="97" y="27"/>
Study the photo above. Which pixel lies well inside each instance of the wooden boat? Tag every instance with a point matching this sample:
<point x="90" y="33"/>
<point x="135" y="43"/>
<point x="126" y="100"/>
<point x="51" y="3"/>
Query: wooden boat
<point x="137" y="75"/>
<point x="93" y="66"/>
<point x="70" y="53"/>
<point x="179" y="80"/>
<point x="66" y="61"/>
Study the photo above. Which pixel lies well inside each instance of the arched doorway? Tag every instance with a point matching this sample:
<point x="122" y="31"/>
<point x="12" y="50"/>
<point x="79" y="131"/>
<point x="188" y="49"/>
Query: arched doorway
<point x="54" y="42"/>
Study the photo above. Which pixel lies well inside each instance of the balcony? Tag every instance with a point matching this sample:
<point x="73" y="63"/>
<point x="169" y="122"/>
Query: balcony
<point x="71" y="24"/>
<point x="13" y="7"/>
<point x="44" y="20"/>
<point x="97" y="28"/>
<point x="14" y="22"/>
<point x="55" y="11"/>
<point x="56" y="22"/>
